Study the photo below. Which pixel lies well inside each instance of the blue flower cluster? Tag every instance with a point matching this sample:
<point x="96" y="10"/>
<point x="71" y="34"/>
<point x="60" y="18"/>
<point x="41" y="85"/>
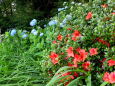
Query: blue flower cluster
<point x="33" y="22"/>
<point x="53" y="22"/>
<point x="68" y="17"/>
<point x="41" y="34"/>
<point x="13" y="32"/>
<point x="24" y="35"/>
<point x="60" y="9"/>
<point x="34" y="32"/>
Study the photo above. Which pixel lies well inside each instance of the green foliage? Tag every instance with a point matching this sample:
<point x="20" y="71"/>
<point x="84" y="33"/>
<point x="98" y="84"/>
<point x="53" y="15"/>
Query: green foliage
<point x="26" y="61"/>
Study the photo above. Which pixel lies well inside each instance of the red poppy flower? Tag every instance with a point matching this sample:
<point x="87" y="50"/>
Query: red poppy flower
<point x="93" y="51"/>
<point x="81" y="57"/>
<point x="89" y="16"/>
<point x="59" y="37"/>
<point x="106" y="77"/>
<point x="109" y="77"/>
<point x="74" y="38"/>
<point x="75" y="74"/>
<point x="112" y="77"/>
<point x="54" y="57"/>
<point x="70" y="52"/>
<point x="76" y="33"/>
<point x="111" y="62"/>
<point x="104" y="5"/>
<point x="86" y="65"/>
<point x="83" y="54"/>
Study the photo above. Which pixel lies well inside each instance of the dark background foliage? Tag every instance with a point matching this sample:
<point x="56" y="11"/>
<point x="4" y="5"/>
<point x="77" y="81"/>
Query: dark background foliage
<point x="18" y="13"/>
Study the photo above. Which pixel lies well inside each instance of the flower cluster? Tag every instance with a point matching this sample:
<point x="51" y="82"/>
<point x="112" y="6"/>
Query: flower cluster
<point x="53" y="22"/>
<point x="109" y="77"/>
<point x="33" y="22"/>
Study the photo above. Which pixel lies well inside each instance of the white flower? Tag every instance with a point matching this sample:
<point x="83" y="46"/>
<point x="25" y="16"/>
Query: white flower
<point x="13" y="32"/>
<point x="33" y="22"/>
<point x="41" y="34"/>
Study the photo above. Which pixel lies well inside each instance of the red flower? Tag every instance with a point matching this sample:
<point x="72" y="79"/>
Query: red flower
<point x="54" y="42"/>
<point x="109" y="77"/>
<point x="78" y="49"/>
<point x="54" y="57"/>
<point x="93" y="51"/>
<point x="81" y="57"/>
<point x="70" y="52"/>
<point x="75" y="74"/>
<point x="89" y="16"/>
<point x="112" y="77"/>
<point x="83" y="54"/>
<point x="113" y="13"/>
<point x="59" y="37"/>
<point x="86" y="65"/>
<point x="72" y="65"/>
<point x="111" y="62"/>
<point x="104" y="5"/>
<point x="76" y="33"/>
<point x="106" y="77"/>
<point x="74" y="38"/>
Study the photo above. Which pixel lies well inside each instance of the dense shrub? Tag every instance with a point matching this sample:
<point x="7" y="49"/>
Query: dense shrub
<point x="77" y="45"/>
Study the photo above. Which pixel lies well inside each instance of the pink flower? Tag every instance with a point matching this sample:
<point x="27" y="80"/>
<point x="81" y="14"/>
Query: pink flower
<point x="111" y="62"/>
<point x="93" y="51"/>
<point x="70" y="52"/>
<point x="106" y="77"/>
<point x="109" y="77"/>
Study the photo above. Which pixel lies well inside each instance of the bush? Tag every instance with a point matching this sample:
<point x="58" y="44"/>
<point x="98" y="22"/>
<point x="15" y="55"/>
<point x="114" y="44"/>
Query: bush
<point x="74" y="45"/>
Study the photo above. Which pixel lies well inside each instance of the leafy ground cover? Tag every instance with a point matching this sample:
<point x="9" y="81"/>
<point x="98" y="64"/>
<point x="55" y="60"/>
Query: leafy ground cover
<point x="76" y="48"/>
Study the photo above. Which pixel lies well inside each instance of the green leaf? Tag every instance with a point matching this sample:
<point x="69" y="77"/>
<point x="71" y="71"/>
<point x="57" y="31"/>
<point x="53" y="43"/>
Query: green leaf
<point x="104" y="84"/>
<point x="88" y="80"/>
<point x="74" y="82"/>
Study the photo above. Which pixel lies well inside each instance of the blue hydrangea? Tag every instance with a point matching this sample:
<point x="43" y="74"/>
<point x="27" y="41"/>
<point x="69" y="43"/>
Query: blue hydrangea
<point x="68" y="17"/>
<point x="62" y="25"/>
<point x="44" y="25"/>
<point x="33" y="22"/>
<point x="41" y="34"/>
<point x="34" y="32"/>
<point x="60" y="9"/>
<point x="13" y="32"/>
<point x="25" y="36"/>
<point x="53" y="22"/>
<point x="64" y="21"/>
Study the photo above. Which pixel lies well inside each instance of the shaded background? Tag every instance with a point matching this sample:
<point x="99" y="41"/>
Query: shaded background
<point x="18" y="13"/>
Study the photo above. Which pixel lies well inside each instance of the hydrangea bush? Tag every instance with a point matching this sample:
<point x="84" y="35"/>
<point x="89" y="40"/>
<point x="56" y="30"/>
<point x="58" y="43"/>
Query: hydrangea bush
<point x="76" y="48"/>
